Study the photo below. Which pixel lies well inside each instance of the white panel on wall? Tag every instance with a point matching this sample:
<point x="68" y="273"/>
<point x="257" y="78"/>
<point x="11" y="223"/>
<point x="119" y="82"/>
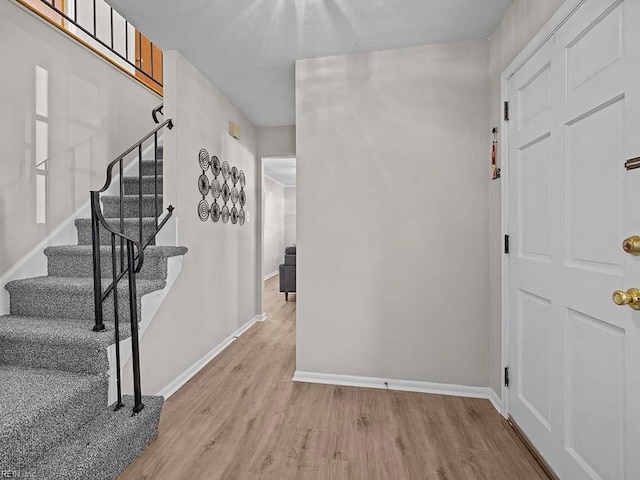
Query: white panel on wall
<point x="392" y="166"/>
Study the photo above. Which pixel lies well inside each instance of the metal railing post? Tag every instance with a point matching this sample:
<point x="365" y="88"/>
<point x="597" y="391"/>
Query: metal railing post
<point x="116" y="322"/>
<point x="135" y="344"/>
<point x="97" y="277"/>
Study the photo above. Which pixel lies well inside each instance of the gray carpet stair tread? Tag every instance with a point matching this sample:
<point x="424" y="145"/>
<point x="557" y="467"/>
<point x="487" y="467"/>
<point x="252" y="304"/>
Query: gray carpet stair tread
<point x="53" y="331"/>
<point x="103" y="448"/>
<point x="146" y="221"/>
<point x="145" y="179"/>
<point x="77" y="286"/>
<point x="39" y="408"/>
<point x="148" y="163"/>
<point x="147" y="197"/>
<point x="26" y="392"/>
<point x="57" y="343"/>
<point x="105" y="250"/>
<point x="149" y="184"/>
<point x="132" y="205"/>
<point x="131" y="228"/>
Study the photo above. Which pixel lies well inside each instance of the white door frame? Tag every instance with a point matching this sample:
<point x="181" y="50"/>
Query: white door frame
<point x="566" y="10"/>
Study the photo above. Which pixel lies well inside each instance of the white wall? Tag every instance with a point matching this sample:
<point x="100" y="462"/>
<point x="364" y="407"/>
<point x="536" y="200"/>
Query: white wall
<point x="216" y="292"/>
<point x="392" y="160"/>
<point x="277" y="141"/>
<point x="274" y="223"/>
<point x="89" y="113"/>
<point x="521" y="22"/>
<point x="290" y="216"/>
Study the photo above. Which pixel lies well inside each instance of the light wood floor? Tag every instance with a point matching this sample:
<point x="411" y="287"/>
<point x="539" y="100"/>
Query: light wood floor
<point x="242" y="418"/>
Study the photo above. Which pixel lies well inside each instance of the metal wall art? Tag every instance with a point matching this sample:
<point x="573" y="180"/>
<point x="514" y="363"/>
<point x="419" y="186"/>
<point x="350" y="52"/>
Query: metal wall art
<point x="222" y="172"/>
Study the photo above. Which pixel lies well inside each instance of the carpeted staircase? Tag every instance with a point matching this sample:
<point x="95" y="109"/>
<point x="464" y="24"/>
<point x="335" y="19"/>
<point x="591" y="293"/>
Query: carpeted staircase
<point x="54" y="419"/>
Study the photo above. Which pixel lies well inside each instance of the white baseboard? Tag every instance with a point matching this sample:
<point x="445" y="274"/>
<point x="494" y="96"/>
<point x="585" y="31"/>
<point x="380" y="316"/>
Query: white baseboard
<point x="496" y="401"/>
<point x="262" y="317"/>
<point x="400" y="385"/>
<point x="271" y="275"/>
<point x="190" y="372"/>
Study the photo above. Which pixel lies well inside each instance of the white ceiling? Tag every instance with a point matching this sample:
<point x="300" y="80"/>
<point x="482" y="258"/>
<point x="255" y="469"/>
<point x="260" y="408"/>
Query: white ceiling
<point x="247" y="48"/>
<point x="282" y="170"/>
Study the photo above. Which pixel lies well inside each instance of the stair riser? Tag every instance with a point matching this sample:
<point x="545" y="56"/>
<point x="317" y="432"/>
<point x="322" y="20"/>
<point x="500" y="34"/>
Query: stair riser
<point x="77" y="306"/>
<point x="111" y="207"/>
<point x="153" y="267"/>
<point x="131" y="187"/>
<point x="23" y="447"/>
<point x="131" y="229"/>
<point x="67" y="358"/>
<point x="148" y="168"/>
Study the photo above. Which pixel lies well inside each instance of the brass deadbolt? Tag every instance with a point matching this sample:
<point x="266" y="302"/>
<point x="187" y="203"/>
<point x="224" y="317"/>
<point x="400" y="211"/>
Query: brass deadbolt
<point x="632" y="245"/>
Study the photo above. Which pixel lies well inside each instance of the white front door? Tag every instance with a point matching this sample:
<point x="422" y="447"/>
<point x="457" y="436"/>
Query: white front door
<point x="574" y="355"/>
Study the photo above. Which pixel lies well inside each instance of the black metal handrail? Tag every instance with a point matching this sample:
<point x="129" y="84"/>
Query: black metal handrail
<point x="120" y="269"/>
<point x="156" y="111"/>
<point x="110" y="43"/>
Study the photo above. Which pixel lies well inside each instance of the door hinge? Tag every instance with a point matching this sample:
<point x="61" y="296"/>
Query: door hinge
<point x="506" y="244"/>
<point x="506" y="376"/>
<point x="506" y="111"/>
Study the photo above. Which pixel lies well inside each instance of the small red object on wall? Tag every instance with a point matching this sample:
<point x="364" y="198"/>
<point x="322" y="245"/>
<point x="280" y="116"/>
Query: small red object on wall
<point x="495" y="171"/>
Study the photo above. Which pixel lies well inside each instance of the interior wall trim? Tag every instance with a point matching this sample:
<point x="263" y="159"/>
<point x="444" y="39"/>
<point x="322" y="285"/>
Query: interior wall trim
<point x="190" y="372"/>
<point x="400" y="385"/>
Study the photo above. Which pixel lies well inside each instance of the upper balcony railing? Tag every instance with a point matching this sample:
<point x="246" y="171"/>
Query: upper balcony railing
<point x="100" y="28"/>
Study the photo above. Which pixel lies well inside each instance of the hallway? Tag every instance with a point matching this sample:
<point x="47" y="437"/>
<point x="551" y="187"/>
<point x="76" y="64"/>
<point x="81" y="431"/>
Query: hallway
<point x="242" y="418"/>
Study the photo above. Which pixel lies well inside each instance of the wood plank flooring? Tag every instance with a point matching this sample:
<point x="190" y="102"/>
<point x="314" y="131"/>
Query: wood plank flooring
<point x="241" y="418"/>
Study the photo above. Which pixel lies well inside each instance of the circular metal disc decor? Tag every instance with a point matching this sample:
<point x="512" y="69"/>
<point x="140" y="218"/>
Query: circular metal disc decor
<point x="203" y="210"/>
<point x="215" y="212"/>
<point x="215" y="189"/>
<point x="226" y="170"/>
<point x="215" y="166"/>
<point x="204" y="159"/>
<point x="228" y="183"/>
<point x="226" y="192"/>
<point x="203" y="184"/>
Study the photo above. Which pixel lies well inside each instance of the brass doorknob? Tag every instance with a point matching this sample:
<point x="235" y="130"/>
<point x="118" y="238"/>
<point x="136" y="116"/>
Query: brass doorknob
<point x="632" y="245"/>
<point x="631" y="297"/>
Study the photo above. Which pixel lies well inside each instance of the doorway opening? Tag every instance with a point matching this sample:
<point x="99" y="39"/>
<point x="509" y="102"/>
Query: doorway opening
<point x="279" y="220"/>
